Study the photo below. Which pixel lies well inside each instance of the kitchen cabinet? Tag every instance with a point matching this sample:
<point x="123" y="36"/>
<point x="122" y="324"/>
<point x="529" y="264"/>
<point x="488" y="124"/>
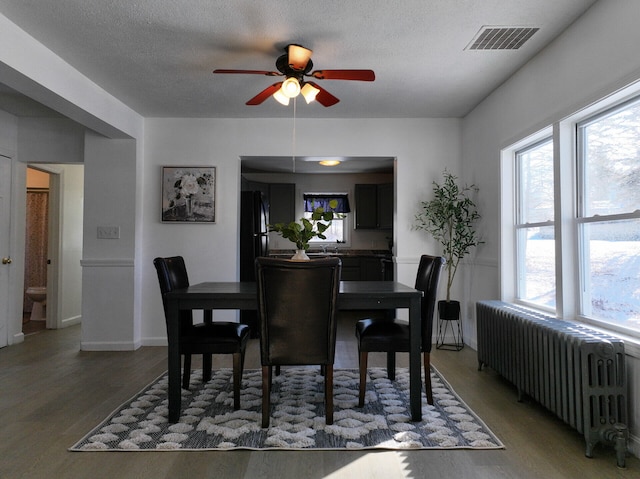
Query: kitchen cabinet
<point x="370" y="269"/>
<point x="366" y="268"/>
<point x="366" y="206"/>
<point x="374" y="206"/>
<point x="385" y="206"/>
<point x="350" y="268"/>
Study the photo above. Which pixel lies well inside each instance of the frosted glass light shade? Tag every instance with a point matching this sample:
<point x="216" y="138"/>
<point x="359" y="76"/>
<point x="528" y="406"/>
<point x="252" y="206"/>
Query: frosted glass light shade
<point x="290" y="87"/>
<point x="298" y="57"/>
<point x="281" y="97"/>
<point x="309" y="92"/>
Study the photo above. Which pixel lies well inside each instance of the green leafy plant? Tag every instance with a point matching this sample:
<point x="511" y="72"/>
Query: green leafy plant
<point x="450" y="217"/>
<point x="307" y="229"/>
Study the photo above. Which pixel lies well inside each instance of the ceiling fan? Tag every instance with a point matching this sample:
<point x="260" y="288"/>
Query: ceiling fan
<point x="295" y="65"/>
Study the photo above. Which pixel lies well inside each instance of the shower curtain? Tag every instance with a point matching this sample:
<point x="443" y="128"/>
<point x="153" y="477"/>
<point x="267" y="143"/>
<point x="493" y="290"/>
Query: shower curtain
<point x="35" y="270"/>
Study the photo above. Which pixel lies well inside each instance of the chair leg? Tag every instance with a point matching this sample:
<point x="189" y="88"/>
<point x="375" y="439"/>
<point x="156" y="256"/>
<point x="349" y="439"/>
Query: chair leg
<point x="391" y="365"/>
<point x="363" y="377"/>
<point x="328" y="393"/>
<point x="206" y="367"/>
<point x="266" y="392"/>
<point x="237" y="379"/>
<point x="427" y="378"/>
<point x="186" y="375"/>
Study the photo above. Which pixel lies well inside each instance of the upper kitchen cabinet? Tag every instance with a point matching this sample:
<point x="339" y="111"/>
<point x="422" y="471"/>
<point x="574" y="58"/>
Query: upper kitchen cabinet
<point x="385" y="206"/>
<point x="374" y="206"/>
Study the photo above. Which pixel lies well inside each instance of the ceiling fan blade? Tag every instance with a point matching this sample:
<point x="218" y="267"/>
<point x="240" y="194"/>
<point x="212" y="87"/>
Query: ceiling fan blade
<point x="324" y="97"/>
<point x="264" y="94"/>
<point x="360" y="75"/>
<point x="250" y="72"/>
<point x="298" y="56"/>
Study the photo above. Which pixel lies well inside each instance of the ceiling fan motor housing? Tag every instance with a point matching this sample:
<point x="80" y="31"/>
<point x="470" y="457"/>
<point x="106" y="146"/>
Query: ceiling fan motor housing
<point x="282" y="64"/>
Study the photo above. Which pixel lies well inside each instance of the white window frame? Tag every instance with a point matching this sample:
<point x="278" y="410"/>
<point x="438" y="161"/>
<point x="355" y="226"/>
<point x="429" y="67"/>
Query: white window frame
<point x="567" y="222"/>
<point x="521" y="226"/>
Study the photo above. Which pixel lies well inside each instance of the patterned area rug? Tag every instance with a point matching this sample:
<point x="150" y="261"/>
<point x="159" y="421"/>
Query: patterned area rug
<point x="208" y="421"/>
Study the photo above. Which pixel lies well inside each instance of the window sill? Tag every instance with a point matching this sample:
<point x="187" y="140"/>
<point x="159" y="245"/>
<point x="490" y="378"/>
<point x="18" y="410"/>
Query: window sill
<point x="631" y="343"/>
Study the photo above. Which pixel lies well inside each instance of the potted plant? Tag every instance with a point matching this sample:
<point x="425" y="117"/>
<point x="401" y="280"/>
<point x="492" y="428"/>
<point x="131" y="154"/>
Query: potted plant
<point x="308" y="228"/>
<point x="450" y="218"/>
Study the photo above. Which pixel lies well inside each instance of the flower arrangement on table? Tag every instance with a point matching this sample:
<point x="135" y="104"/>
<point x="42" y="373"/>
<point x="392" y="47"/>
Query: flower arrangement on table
<point x="308" y="228"/>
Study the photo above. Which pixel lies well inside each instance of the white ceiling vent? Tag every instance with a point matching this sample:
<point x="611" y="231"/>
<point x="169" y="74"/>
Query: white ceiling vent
<point x="501" y="38"/>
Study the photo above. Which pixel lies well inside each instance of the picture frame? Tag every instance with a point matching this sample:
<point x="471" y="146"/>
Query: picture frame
<point x="188" y="194"/>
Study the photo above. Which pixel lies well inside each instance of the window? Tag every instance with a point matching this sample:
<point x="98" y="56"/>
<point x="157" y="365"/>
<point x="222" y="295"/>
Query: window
<point x="535" y="238"/>
<point x="608" y="215"/>
<point x="570" y="236"/>
<point x="336" y="233"/>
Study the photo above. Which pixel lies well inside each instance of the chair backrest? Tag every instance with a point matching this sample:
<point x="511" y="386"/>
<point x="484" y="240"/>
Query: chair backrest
<point x="427" y="281"/>
<point x="297" y="310"/>
<point x="172" y="274"/>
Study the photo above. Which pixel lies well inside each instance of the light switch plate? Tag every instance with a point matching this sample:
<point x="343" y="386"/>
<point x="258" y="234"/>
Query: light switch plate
<point x="108" y="232"/>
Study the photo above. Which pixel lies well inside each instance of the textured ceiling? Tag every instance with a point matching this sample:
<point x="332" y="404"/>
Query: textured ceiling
<point x="157" y="56"/>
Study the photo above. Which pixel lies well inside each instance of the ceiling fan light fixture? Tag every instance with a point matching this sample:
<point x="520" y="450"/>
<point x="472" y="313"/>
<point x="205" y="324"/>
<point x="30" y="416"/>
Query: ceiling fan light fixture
<point x="290" y="87"/>
<point x="281" y="97"/>
<point x="298" y="57"/>
<point x="329" y="162"/>
<point x="309" y="92"/>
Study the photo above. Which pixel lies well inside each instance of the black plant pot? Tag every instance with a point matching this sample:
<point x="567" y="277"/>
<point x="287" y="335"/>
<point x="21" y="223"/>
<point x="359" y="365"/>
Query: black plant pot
<point x="449" y="310"/>
<point x="449" y="320"/>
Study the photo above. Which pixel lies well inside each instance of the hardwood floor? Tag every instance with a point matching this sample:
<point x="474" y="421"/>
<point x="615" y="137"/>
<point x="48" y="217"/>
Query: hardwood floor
<point x="51" y="394"/>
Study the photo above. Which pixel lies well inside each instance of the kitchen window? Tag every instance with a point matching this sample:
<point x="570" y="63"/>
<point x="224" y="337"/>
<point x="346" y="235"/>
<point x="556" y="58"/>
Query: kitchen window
<point x="336" y="233"/>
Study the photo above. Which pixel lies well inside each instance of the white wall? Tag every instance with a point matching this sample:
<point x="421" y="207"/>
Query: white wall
<point x="108" y="265"/>
<point x="423" y="147"/>
<point x="594" y="58"/>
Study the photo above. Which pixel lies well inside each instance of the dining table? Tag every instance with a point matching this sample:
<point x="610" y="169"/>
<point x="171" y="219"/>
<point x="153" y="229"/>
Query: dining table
<point x="353" y="295"/>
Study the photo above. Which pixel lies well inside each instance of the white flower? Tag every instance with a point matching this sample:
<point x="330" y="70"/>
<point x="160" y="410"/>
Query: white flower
<point x="190" y="185"/>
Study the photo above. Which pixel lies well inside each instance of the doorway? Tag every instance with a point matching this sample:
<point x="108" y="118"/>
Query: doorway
<point x="36" y="258"/>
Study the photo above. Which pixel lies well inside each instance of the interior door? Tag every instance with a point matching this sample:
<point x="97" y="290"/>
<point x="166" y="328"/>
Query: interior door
<point x="5" y="235"/>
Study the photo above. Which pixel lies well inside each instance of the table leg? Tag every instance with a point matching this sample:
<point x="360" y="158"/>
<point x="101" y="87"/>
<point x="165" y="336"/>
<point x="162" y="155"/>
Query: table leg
<point x="415" y="382"/>
<point x="173" y="328"/>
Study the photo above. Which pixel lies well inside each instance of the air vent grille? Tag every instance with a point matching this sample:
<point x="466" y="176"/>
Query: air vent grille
<point x="501" y="38"/>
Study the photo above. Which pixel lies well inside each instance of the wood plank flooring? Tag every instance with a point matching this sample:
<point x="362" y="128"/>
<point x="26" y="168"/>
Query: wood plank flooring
<point x="51" y="394"/>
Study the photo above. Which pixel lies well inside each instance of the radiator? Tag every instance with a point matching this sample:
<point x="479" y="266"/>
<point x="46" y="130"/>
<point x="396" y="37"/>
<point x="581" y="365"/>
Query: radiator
<point x="574" y="371"/>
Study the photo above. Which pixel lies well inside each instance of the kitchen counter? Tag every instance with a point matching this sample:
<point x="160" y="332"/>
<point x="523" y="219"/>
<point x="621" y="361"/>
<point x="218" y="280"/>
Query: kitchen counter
<point x="357" y="265"/>
<point x="331" y="252"/>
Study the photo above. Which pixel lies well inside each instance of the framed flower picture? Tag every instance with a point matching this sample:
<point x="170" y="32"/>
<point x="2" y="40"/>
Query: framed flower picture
<point x="188" y="194"/>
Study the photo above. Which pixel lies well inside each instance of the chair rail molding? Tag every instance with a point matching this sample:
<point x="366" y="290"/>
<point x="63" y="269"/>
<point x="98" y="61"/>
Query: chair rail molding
<point x="107" y="263"/>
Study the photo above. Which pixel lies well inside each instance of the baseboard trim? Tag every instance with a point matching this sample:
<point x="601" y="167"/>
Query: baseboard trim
<point x="72" y="321"/>
<point x="159" y="341"/>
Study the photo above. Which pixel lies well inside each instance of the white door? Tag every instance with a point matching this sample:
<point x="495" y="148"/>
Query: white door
<point x="5" y="235"/>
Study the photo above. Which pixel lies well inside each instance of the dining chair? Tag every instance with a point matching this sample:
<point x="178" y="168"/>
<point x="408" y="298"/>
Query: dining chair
<point x="297" y="311"/>
<point x="392" y="335"/>
<point x="207" y="338"/>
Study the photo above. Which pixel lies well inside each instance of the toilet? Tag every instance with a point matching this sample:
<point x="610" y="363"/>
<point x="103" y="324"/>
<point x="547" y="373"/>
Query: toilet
<point x="38" y="294"/>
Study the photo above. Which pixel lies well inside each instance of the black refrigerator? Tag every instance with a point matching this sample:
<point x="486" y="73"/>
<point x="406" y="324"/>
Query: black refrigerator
<point x="254" y="242"/>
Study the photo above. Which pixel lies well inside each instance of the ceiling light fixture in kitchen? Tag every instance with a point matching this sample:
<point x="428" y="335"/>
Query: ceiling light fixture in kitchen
<point x="329" y="162"/>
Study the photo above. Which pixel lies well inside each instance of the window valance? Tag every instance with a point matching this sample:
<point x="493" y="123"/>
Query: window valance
<point x="312" y="201"/>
